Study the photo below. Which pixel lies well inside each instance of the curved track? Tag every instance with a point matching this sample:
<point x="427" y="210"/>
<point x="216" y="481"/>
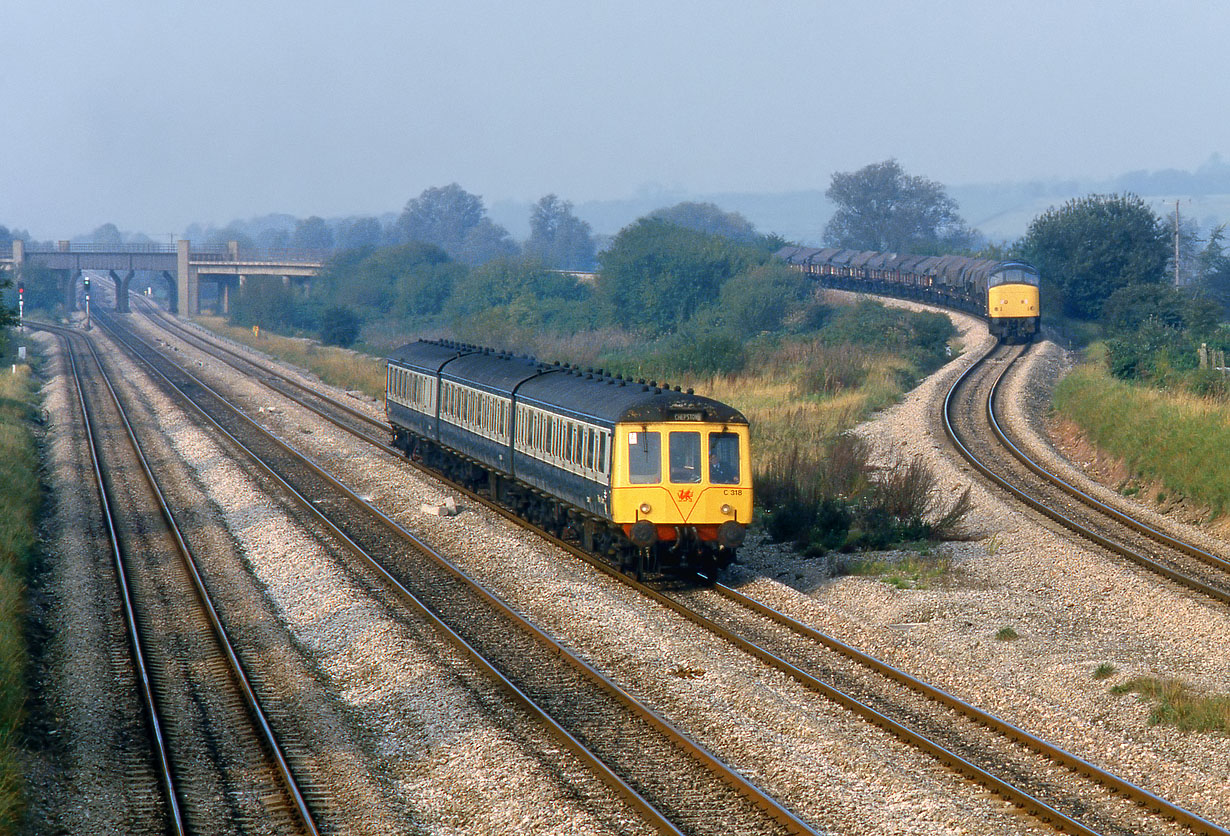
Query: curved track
<point x="972" y="742"/>
<point x="975" y="428"/>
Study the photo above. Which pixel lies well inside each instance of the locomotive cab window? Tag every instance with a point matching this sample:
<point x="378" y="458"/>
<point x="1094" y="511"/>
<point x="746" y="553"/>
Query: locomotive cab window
<point x="644" y="458"/>
<point x="685" y="457"/>
<point x="724" y="458"/>
<point x="1012" y="275"/>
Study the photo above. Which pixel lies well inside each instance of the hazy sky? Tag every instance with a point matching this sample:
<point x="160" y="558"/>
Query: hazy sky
<point x="153" y="113"/>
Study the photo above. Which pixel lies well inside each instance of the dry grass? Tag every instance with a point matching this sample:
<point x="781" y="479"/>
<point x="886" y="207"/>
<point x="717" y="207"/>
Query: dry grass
<point x="336" y="366"/>
<point x="1175" y="704"/>
<point x="788" y="411"/>
<point x="18" y="519"/>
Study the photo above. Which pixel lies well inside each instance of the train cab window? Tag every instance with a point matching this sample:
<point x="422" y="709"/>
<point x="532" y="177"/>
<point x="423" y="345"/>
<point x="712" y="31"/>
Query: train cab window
<point x="1012" y="275"/>
<point x="685" y="457"/>
<point x="644" y="458"/>
<point x="724" y="458"/>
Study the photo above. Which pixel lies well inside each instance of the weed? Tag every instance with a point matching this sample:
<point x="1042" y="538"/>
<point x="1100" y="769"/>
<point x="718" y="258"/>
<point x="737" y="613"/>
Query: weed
<point x="914" y="571"/>
<point x="992" y="544"/>
<point x="1007" y="634"/>
<point x="1175" y="704"/>
<point x="1104" y="671"/>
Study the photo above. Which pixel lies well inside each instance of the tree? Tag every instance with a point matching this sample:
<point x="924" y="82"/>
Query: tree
<point x="708" y="218"/>
<point x="759" y="299"/>
<point x="558" y="238"/>
<point x="272" y="239"/>
<point x="222" y="237"/>
<point x="880" y="207"/>
<point x="1213" y="269"/>
<point x="656" y="274"/>
<point x="414" y="277"/>
<point x="503" y="301"/>
<point x="8" y="312"/>
<point x="483" y="242"/>
<point x="441" y="215"/>
<point x="312" y="234"/>
<point x="107" y="235"/>
<point x="359" y="233"/>
<point x="1094" y="245"/>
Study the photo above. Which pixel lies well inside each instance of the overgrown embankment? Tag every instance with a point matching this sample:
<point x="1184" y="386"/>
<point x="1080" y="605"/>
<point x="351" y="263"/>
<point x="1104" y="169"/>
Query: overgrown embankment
<point x="1178" y="439"/>
<point x="800" y="387"/>
<point x="18" y="534"/>
<point x="339" y="367"/>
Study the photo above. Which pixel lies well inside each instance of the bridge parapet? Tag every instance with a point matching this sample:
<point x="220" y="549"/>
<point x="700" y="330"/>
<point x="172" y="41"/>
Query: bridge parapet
<point x="256" y="255"/>
<point x="91" y="248"/>
<point x="198" y="253"/>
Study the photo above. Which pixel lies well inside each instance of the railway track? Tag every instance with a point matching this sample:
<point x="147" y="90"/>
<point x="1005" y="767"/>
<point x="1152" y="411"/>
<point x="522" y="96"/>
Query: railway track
<point x="209" y="736"/>
<point x="674" y="783"/>
<point x="974" y="425"/>
<point x="1063" y="789"/>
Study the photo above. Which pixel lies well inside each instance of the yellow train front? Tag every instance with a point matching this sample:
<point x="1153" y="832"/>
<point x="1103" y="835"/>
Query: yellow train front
<point x="681" y="487"/>
<point x="1012" y="302"/>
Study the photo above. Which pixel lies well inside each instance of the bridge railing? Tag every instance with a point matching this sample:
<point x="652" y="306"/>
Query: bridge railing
<point x="79" y="247"/>
<point x="261" y="255"/>
<point x="198" y="252"/>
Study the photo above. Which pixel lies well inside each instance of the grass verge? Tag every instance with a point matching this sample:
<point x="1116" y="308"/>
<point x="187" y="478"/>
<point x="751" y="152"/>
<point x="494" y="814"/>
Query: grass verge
<point x="336" y="366"/>
<point x="1180" y="440"/>
<point x="18" y="532"/>
<point x="1175" y="704"/>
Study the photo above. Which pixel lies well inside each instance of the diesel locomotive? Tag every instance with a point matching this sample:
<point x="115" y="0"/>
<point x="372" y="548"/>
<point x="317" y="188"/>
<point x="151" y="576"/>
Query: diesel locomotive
<point x="655" y="478"/>
<point x="1005" y="293"/>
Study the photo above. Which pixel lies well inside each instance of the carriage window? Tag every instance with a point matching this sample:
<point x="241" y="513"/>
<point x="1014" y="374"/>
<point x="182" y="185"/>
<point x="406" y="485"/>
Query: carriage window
<point x="685" y="457"/>
<point x="644" y="458"/>
<point x="724" y="458"/>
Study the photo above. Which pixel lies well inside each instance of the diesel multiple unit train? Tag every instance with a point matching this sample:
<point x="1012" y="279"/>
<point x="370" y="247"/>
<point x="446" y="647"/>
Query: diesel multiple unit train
<point x="655" y="478"/>
<point x="1004" y="292"/>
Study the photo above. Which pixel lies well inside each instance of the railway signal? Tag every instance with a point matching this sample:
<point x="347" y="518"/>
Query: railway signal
<point x="21" y="305"/>
<point x="86" y="280"/>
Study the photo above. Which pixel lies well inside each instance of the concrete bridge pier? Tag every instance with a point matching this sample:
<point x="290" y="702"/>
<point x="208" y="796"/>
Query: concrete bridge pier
<point x="121" y="290"/>
<point x="70" y="289"/>
<point x="187" y="279"/>
<point x="172" y="292"/>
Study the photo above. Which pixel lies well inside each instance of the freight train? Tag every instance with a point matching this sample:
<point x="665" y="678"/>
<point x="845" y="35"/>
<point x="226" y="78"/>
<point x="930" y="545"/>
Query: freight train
<point x="655" y="478"/>
<point x="1005" y="293"/>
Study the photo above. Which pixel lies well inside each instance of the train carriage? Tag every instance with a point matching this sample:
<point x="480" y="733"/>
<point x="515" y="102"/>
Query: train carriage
<point x="1005" y="293"/>
<point x="659" y="478"/>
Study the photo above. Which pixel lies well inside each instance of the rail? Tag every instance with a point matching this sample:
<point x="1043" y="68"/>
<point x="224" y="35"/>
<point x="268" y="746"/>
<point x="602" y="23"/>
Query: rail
<point x="1003" y="787"/>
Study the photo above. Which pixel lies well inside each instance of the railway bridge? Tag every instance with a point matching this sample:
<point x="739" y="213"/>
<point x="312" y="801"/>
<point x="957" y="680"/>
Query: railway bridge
<point x="184" y="268"/>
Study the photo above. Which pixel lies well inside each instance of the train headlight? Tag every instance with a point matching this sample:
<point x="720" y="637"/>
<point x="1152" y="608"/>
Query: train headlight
<point x="646" y="507"/>
<point x="726" y="509"/>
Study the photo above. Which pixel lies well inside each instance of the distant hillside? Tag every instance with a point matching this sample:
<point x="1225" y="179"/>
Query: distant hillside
<point x="1000" y="211"/>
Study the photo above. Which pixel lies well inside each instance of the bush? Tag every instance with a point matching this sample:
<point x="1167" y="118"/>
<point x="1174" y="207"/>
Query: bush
<point x="340" y="327"/>
<point x="840" y="501"/>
